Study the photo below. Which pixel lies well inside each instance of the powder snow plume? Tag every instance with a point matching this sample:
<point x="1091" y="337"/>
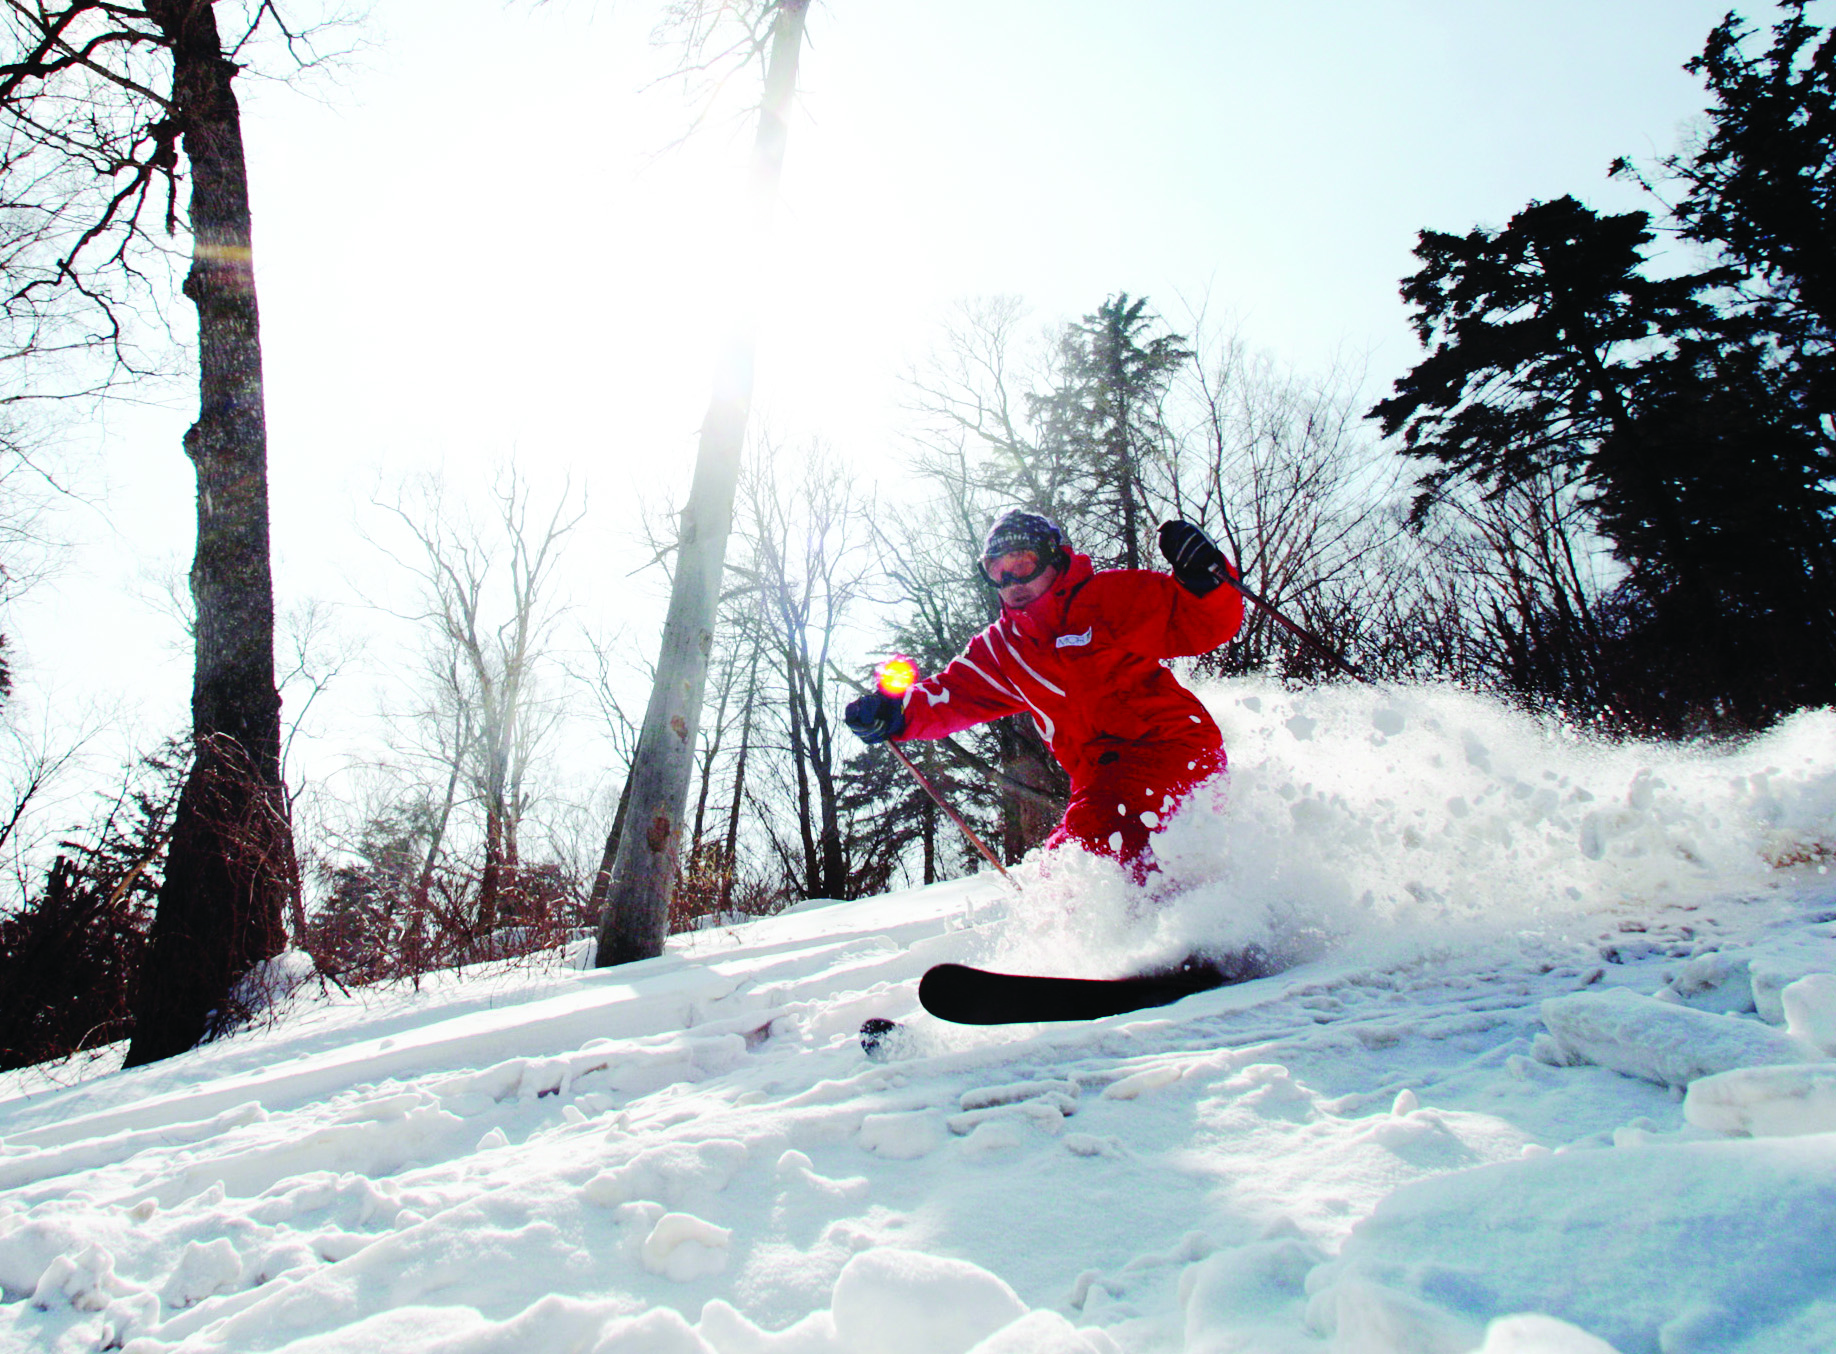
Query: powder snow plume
<point x="1353" y="816"/>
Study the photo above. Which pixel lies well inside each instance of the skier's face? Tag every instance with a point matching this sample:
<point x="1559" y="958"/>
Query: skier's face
<point x="1019" y="596"/>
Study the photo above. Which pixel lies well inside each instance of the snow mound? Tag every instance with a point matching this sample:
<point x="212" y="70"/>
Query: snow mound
<point x="1656" y="1041"/>
<point x="906" y="1302"/>
<point x="1674" y="1247"/>
<point x="903" y="1135"/>
<point x="681" y="1246"/>
<point x="1809" y="1008"/>
<point x="1532" y="1333"/>
<point x="1766" y="1101"/>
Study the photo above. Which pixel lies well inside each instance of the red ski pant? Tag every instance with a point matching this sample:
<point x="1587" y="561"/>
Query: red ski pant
<point x="1129" y="792"/>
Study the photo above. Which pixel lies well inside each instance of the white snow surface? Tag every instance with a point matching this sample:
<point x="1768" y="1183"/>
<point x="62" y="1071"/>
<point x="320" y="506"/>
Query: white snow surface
<point x="1386" y="1148"/>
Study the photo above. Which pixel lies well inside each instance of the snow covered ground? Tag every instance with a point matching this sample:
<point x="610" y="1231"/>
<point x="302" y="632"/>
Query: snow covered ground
<point x="1549" y="1072"/>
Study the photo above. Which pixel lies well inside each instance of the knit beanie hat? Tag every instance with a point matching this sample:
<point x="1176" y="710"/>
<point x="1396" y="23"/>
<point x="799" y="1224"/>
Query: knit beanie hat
<point x="1019" y="530"/>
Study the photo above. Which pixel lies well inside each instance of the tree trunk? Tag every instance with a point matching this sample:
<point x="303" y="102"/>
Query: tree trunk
<point x="636" y="918"/>
<point x="800" y="763"/>
<point x="490" y="882"/>
<point x="928" y="833"/>
<point x="834" y="857"/>
<point x="1122" y="466"/>
<point x="602" y="878"/>
<point x="414" y="932"/>
<point x="730" y="855"/>
<point x="708" y="756"/>
<point x="497" y="711"/>
<point x="230" y="867"/>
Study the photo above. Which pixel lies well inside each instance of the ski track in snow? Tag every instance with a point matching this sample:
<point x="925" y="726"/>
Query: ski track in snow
<point x="1550" y="1073"/>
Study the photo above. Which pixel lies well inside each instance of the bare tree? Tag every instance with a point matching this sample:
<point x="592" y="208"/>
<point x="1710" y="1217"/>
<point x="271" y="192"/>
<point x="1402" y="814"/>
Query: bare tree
<point x="33" y="761"/>
<point x="636" y="918"/>
<point x="315" y="653"/>
<point x="806" y="542"/>
<point x="452" y="739"/>
<point x="488" y="611"/>
<point x="103" y="102"/>
<point x="1278" y="465"/>
<point x="982" y="417"/>
<point x="729" y="849"/>
<point x="1533" y="581"/>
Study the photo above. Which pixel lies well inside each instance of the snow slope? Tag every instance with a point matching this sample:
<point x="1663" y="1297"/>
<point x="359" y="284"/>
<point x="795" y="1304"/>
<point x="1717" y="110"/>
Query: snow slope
<point x="1549" y="1071"/>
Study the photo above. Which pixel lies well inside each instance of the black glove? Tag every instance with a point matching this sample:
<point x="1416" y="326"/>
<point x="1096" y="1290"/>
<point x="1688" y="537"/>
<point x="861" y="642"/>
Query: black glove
<point x="1198" y="565"/>
<point x="875" y="718"/>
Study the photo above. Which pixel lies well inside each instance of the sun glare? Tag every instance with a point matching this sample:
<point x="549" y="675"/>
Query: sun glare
<point x="896" y="676"/>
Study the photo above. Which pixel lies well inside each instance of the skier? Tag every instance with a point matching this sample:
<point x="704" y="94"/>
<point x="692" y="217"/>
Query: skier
<point x="1081" y="651"/>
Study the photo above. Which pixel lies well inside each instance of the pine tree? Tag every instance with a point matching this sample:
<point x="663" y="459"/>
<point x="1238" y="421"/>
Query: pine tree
<point x="1553" y="354"/>
<point x="68" y="956"/>
<point x="1761" y="186"/>
<point x="1104" y="417"/>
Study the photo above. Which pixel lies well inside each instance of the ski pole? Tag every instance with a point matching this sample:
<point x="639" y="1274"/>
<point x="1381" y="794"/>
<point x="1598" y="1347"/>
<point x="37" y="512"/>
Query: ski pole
<point x="894" y="678"/>
<point x="1224" y="575"/>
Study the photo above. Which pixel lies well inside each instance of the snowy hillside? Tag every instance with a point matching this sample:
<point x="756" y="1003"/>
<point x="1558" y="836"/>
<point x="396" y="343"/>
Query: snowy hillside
<point x="1547" y="1073"/>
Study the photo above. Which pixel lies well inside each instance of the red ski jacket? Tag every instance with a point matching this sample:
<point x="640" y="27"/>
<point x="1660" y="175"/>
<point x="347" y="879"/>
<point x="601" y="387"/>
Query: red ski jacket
<point x="1085" y="661"/>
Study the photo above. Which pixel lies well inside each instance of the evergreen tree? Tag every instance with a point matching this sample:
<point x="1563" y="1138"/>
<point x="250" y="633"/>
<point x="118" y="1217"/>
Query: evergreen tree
<point x="890" y="817"/>
<point x="359" y="933"/>
<point x="1539" y="336"/>
<point x="1552" y="353"/>
<point x="1104" y="418"/>
<point x="1761" y="186"/>
<point x="68" y="956"/>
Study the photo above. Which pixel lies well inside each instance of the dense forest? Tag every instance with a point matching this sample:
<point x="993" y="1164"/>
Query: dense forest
<point x="1604" y="491"/>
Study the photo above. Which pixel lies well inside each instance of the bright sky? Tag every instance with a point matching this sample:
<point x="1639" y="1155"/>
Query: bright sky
<point x="478" y="242"/>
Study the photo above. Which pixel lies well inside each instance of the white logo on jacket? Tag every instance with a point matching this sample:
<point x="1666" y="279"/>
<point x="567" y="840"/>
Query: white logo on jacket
<point x="1075" y="641"/>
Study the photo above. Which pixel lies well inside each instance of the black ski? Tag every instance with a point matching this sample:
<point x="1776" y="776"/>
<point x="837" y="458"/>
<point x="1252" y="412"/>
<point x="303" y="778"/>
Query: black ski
<point x="973" y="996"/>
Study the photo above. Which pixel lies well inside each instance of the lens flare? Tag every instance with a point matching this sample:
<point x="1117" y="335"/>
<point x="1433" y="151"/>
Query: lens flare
<point x="896" y="676"/>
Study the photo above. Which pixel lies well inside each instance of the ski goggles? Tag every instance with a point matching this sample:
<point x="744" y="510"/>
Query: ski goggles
<point x="1015" y="566"/>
